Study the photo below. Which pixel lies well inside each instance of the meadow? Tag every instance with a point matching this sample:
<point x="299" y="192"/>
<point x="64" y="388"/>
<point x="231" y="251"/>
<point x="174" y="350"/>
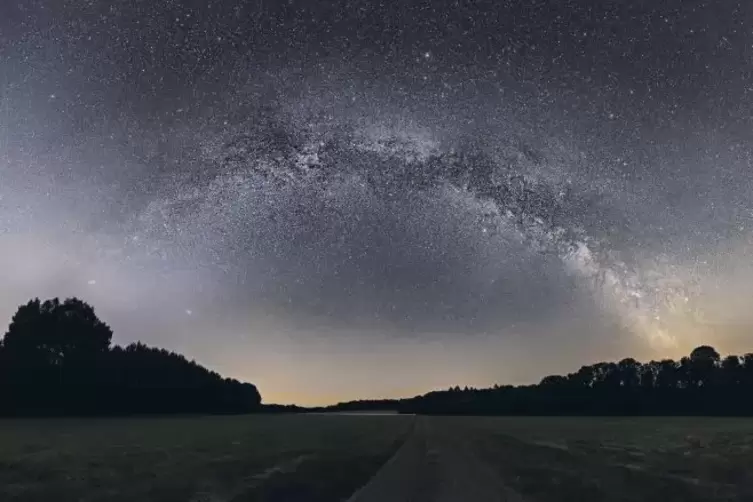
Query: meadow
<point x="329" y="457"/>
<point x="194" y="459"/>
<point x="615" y="459"/>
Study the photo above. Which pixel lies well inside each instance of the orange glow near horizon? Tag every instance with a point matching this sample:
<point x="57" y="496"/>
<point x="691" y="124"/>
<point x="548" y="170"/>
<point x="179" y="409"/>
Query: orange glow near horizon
<point x="336" y="371"/>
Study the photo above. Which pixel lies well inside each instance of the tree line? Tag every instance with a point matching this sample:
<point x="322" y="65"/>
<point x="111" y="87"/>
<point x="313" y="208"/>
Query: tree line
<point x="702" y="383"/>
<point x="57" y="358"/>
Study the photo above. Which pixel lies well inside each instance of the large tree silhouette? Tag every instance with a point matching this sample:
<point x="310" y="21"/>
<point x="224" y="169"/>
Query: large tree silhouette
<point x="57" y="332"/>
<point x="704" y="360"/>
<point x="56" y="359"/>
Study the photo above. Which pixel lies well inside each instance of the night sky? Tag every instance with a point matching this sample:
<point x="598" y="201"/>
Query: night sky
<point x="356" y="198"/>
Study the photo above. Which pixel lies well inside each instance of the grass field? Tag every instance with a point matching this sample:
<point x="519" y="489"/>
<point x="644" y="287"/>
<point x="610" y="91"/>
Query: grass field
<point x="212" y="459"/>
<point x="328" y="457"/>
<point x="616" y="459"/>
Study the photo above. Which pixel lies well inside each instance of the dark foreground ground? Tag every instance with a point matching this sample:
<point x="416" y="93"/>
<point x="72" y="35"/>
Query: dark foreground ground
<point x="376" y="458"/>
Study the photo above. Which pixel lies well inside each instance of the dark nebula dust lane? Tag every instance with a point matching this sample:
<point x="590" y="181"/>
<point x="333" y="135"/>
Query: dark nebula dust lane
<point x="458" y="192"/>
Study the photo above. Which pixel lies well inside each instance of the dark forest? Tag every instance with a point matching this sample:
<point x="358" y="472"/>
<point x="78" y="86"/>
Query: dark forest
<point x="57" y="358"/>
<point x="702" y="383"/>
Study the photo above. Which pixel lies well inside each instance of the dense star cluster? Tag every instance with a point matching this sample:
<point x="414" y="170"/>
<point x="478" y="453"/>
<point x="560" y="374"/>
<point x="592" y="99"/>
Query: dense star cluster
<point x="504" y="188"/>
<point x="236" y="179"/>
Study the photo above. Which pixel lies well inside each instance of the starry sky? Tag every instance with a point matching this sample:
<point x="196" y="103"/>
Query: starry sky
<point x="362" y="199"/>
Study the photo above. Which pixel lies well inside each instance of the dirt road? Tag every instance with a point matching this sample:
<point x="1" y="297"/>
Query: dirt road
<point x="431" y="466"/>
<point x="561" y="459"/>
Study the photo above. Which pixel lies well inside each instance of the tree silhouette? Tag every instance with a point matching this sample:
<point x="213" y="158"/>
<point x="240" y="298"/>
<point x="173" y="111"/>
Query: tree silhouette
<point x="705" y="353"/>
<point x="703" y="361"/>
<point x="629" y="373"/>
<point x="56" y="332"/>
<point x="731" y="372"/>
<point x="701" y="384"/>
<point x="56" y="359"/>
